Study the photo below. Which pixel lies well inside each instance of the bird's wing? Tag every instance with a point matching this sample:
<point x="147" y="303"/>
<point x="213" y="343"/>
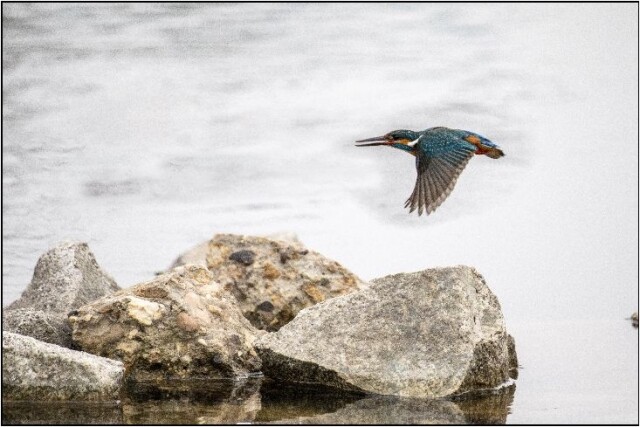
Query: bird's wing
<point x="439" y="167"/>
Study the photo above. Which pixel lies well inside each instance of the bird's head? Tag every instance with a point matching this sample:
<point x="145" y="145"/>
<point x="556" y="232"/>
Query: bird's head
<point x="402" y="139"/>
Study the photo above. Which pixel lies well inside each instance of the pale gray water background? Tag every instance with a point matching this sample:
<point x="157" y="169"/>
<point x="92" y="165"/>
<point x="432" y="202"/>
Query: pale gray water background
<point x="144" y="129"/>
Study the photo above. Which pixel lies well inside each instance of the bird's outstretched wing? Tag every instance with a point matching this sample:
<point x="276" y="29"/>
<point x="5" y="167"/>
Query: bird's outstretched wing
<point x="438" y="168"/>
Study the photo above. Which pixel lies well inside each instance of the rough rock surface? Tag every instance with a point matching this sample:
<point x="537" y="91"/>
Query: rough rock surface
<point x="35" y="370"/>
<point x="513" y="357"/>
<point x="66" y="277"/>
<point x="48" y="327"/>
<point x="181" y="324"/>
<point x="272" y="279"/>
<point x="434" y="333"/>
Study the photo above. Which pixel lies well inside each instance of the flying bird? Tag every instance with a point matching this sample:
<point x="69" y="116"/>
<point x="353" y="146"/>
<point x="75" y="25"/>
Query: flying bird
<point x="441" y="155"/>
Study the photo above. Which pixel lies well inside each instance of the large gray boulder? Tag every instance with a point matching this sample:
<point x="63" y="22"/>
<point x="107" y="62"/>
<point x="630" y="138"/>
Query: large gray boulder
<point x="35" y="370"/>
<point x="66" y="277"/>
<point x="182" y="324"/>
<point x="272" y="278"/>
<point x="434" y="333"/>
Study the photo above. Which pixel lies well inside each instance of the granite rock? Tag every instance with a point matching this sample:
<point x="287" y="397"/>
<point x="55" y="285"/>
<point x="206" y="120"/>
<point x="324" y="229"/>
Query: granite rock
<point x="65" y="277"/>
<point x="435" y="333"/>
<point x="48" y="327"/>
<point x="35" y="370"/>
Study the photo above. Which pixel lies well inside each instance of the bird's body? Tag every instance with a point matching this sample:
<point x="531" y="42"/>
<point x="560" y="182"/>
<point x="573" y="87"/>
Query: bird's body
<point x="441" y="155"/>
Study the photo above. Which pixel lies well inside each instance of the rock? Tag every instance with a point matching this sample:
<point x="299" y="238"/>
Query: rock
<point x="285" y="236"/>
<point x="434" y="333"/>
<point x="35" y="370"/>
<point x="513" y="357"/>
<point x="243" y="257"/>
<point x="634" y="319"/>
<point x="196" y="255"/>
<point x="272" y="279"/>
<point x="65" y="278"/>
<point x="48" y="327"/>
<point x="181" y="324"/>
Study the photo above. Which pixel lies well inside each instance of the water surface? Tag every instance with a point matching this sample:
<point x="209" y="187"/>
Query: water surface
<point x="258" y="401"/>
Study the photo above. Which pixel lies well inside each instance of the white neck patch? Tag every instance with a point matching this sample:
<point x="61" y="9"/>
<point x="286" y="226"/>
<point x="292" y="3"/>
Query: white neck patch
<point x="414" y="142"/>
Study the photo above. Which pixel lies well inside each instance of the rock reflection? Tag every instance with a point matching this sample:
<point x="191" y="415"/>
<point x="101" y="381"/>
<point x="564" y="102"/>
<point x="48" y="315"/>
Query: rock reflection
<point x="69" y="412"/>
<point x="209" y="401"/>
<point x="289" y="403"/>
<point x="491" y="408"/>
<point x="192" y="402"/>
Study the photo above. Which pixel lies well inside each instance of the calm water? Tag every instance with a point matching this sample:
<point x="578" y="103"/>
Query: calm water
<point x="256" y="401"/>
<point x="144" y="129"/>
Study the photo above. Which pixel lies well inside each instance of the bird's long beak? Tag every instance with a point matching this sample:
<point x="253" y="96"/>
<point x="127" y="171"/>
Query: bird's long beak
<point x="379" y="140"/>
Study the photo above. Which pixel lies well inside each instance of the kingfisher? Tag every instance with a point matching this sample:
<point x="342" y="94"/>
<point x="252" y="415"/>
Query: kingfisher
<point x="441" y="155"/>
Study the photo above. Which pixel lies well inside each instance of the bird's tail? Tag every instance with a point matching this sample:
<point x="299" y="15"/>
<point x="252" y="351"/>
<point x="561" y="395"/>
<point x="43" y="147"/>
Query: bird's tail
<point x="493" y="152"/>
<point x="484" y="145"/>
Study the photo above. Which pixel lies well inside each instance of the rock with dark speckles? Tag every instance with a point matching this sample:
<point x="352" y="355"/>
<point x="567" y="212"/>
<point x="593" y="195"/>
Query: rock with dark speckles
<point x="279" y="271"/>
<point x="48" y="327"/>
<point x="35" y="370"/>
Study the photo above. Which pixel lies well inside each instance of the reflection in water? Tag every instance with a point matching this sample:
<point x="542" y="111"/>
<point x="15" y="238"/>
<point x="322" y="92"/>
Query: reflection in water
<point x="487" y="409"/>
<point x="491" y="408"/>
<point x="192" y="402"/>
<point x="224" y="402"/>
<point x="284" y="402"/>
<point x="61" y="413"/>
